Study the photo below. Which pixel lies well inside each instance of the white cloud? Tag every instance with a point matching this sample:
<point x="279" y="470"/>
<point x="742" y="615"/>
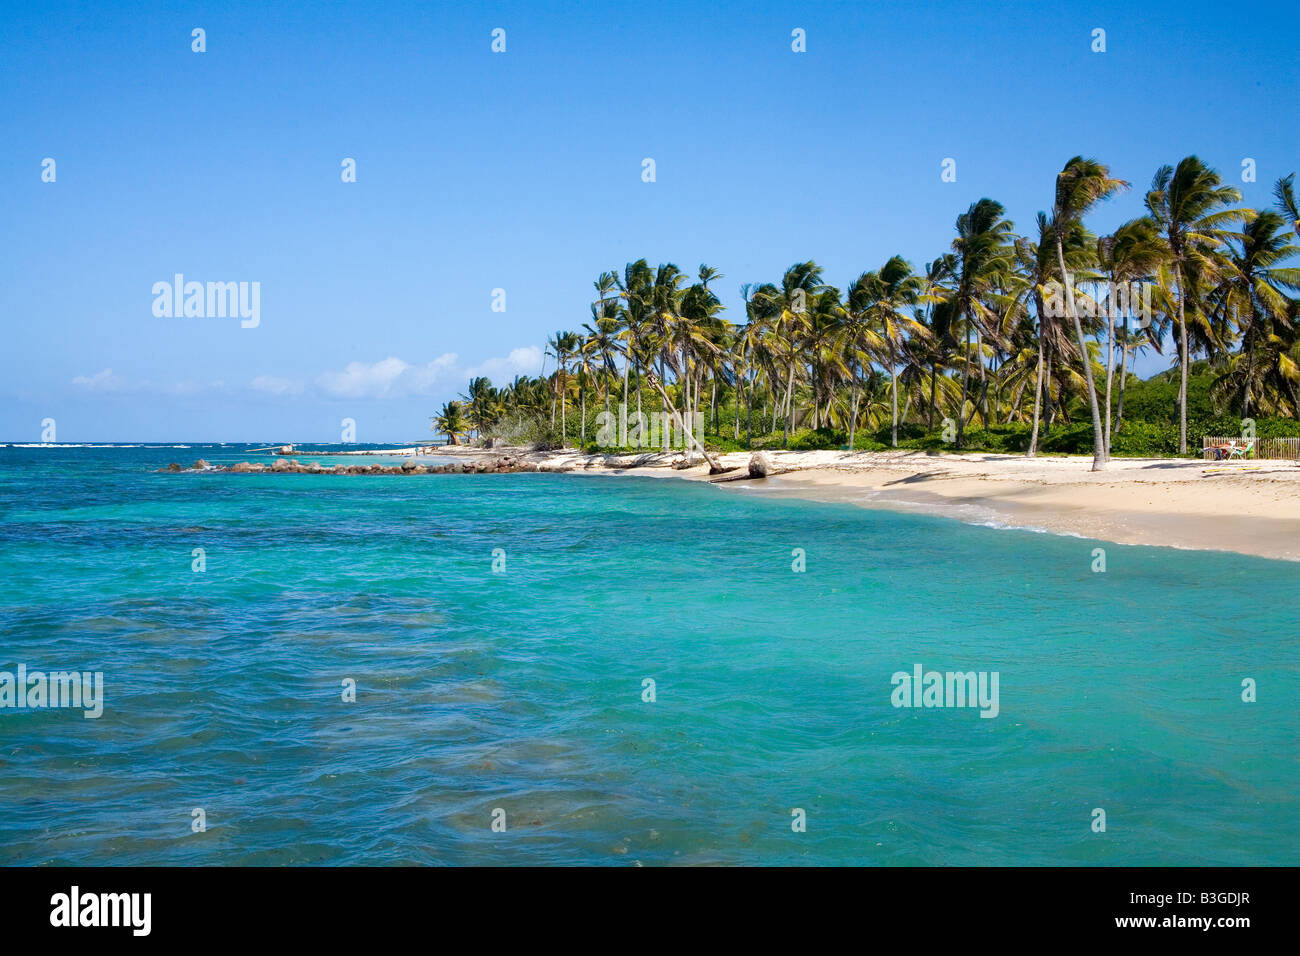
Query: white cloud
<point x="273" y="385"/>
<point x="520" y="361"/>
<point x="104" y="381"/>
<point x="387" y="378"/>
<point x="392" y="377"/>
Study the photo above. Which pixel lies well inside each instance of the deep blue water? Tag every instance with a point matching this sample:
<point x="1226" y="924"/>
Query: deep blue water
<point x="522" y="690"/>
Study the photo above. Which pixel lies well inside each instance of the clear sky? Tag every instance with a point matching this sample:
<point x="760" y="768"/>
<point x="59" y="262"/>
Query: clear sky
<point x="523" y="171"/>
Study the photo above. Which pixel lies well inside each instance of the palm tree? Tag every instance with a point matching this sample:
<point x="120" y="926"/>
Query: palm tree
<point x="482" y="404"/>
<point x="983" y="253"/>
<point x="891" y="291"/>
<point x="939" y="322"/>
<point x="1252" y="294"/>
<point x="791" y="324"/>
<point x="1187" y="203"/>
<point x="450" y="421"/>
<point x="1284" y="191"/>
<point x="1131" y="255"/>
<point x="563" y="345"/>
<point x="858" y="340"/>
<point x="1079" y="186"/>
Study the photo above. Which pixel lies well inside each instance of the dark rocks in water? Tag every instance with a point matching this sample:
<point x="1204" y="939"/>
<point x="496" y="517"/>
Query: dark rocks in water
<point x="497" y="465"/>
<point x="172" y="467"/>
<point x="199" y="465"/>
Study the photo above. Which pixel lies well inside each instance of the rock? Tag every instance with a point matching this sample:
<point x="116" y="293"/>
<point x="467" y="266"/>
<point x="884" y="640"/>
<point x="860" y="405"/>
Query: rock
<point x="281" y="465"/>
<point x="409" y="466"/>
<point x="489" y="442"/>
<point x="199" y="465"/>
<point x="760" y="465"/>
<point x="173" y="467"/>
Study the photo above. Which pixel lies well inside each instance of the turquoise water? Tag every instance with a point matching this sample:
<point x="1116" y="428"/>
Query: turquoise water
<point x="522" y="690"/>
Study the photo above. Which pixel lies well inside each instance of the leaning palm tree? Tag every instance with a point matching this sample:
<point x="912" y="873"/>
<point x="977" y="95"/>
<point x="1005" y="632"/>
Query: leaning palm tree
<point x="1188" y="202"/>
<point x="1079" y="186"/>
<point x="450" y="421"/>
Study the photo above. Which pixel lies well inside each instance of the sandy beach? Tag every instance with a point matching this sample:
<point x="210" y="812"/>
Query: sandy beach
<point x="1250" y="507"/>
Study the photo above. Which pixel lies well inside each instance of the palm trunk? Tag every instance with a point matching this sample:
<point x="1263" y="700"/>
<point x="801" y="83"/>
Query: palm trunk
<point x="1110" y="367"/>
<point x="965" y="379"/>
<point x="1038" y="390"/>
<point x="715" y="467"/>
<point x="622" y="415"/>
<point x="934" y="384"/>
<point x="1098" y="446"/>
<point x="853" y="403"/>
<point x="789" y="407"/>
<point x="1123" y="380"/>
<point x="1182" y="357"/>
<point x="749" y="413"/>
<point x="893" y="398"/>
<point x="713" y="404"/>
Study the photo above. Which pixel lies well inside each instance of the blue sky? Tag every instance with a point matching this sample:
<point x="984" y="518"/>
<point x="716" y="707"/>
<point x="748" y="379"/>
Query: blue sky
<point x="522" y="171"/>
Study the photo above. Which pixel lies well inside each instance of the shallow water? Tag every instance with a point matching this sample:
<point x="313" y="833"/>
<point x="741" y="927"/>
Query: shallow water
<point x="522" y="690"/>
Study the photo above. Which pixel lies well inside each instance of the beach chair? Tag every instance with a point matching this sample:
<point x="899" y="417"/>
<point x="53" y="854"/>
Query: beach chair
<point x="1243" y="452"/>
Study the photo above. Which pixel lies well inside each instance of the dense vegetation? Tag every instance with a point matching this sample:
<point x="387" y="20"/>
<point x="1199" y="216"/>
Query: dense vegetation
<point x="1005" y="342"/>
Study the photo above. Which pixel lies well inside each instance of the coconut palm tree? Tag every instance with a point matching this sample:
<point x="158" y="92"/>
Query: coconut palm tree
<point x="982" y="254"/>
<point x="481" y="405"/>
<point x="791" y="324"/>
<point x="1079" y="186"/>
<point x="1128" y="257"/>
<point x="1253" y="294"/>
<point x="1284" y="192"/>
<point x="1187" y="202"/>
<point x="450" y="421"/>
<point x="562" y="345"/>
<point x="892" y="292"/>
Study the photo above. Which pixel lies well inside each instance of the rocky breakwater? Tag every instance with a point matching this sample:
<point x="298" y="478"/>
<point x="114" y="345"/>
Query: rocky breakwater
<point x="291" y="466"/>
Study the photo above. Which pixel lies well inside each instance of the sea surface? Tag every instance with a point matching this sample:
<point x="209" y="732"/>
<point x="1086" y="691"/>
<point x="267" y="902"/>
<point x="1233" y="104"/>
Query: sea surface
<point x="502" y="631"/>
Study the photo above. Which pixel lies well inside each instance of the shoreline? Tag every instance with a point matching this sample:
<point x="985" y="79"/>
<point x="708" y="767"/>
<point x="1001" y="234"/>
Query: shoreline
<point x="1250" y="508"/>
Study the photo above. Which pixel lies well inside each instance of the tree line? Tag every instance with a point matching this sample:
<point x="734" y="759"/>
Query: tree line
<point x="1007" y="327"/>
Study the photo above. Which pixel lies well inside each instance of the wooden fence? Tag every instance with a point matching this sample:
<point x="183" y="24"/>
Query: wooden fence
<point x="1264" y="447"/>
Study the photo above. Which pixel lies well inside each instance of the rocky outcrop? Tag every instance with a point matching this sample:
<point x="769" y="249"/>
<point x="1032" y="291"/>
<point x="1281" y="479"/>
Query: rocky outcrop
<point x="503" y="464"/>
<point x="760" y="465"/>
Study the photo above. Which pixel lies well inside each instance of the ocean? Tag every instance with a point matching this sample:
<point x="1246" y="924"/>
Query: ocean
<point x="569" y="669"/>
